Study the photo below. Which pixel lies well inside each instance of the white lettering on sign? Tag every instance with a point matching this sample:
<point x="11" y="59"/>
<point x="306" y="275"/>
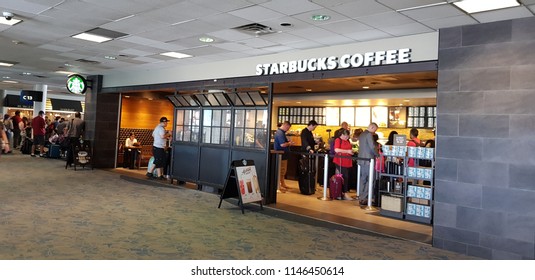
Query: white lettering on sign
<point x="27" y="97"/>
<point x="333" y="62"/>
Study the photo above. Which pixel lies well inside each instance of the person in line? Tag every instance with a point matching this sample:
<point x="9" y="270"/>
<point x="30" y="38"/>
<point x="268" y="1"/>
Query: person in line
<point x="158" y="149"/>
<point x="390" y="141"/>
<point x="39" y="130"/>
<point x="4" y="142"/>
<point x="343" y="149"/>
<point x="366" y="150"/>
<point x="75" y="130"/>
<point x="338" y="132"/>
<point x="281" y="143"/>
<point x="413" y="142"/>
<point x="16" y="119"/>
<point x="307" y="139"/>
<point x="8" y="127"/>
<point x="131" y="151"/>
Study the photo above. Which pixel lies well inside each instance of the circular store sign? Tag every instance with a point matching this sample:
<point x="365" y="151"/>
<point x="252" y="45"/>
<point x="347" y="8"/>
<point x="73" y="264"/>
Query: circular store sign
<point x="76" y="84"/>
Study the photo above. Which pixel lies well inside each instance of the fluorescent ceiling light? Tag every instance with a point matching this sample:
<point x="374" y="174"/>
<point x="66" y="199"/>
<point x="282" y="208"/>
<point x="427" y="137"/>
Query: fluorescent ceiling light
<point x="10" y="82"/>
<point x="176" y="54"/>
<point x="206" y="39"/>
<point x="421" y="6"/>
<point x="7" y="63"/>
<point x="91" y="37"/>
<point x="11" y="22"/>
<point x="476" y="6"/>
<point x="65" y="72"/>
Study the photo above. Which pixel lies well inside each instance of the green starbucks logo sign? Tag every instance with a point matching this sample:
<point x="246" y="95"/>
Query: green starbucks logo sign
<point x="76" y="84"/>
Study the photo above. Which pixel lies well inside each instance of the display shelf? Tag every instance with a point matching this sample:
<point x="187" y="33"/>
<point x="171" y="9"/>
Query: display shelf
<point x="416" y="199"/>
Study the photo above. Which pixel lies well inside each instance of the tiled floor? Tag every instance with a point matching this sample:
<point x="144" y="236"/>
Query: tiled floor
<point x="343" y="212"/>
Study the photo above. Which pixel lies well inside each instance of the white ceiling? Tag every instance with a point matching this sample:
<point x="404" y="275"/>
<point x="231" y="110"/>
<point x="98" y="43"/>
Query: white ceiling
<point x="42" y="43"/>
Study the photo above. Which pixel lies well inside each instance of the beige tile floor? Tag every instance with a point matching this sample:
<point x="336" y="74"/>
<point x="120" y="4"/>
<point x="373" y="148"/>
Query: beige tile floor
<point x="343" y="212"/>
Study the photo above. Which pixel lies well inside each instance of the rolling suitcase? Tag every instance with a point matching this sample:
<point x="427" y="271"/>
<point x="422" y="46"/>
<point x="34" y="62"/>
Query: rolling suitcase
<point x="335" y="186"/>
<point x="26" y="147"/>
<point x="53" y="151"/>
<point x="307" y="174"/>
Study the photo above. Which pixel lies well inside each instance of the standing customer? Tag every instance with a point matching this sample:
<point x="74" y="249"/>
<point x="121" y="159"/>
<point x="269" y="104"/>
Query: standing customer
<point x="413" y="142"/>
<point x="343" y="149"/>
<point x="16" y="129"/>
<point x="39" y="128"/>
<point x="158" y="148"/>
<point x="366" y="150"/>
<point x="307" y="139"/>
<point x="4" y="141"/>
<point x="75" y="130"/>
<point x="8" y="127"/>
<point x="281" y="143"/>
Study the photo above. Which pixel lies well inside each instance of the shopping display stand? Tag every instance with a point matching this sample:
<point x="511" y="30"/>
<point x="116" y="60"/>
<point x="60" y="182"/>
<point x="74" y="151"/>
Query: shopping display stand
<point x="242" y="183"/>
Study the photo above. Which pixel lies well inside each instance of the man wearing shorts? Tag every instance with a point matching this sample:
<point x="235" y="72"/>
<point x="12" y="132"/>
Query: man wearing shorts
<point x="158" y="148"/>
<point x="39" y="126"/>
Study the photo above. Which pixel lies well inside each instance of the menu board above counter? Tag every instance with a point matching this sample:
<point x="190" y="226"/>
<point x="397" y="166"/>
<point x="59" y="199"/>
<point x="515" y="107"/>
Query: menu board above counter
<point x="301" y="115"/>
<point x="422" y="117"/>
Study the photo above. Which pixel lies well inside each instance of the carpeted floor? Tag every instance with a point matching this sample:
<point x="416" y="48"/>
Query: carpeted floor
<point x="49" y="213"/>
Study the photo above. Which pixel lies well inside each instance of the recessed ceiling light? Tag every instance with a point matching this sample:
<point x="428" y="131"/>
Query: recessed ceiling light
<point x="320" y="17"/>
<point x="11" y="22"/>
<point x="26" y="73"/>
<point x="110" y="57"/>
<point x="176" y="54"/>
<point x="67" y="64"/>
<point x="365" y="87"/>
<point x="7" y="63"/>
<point x="206" y="39"/>
<point x="99" y="35"/>
<point x="6" y="77"/>
<point x="476" y="6"/>
<point x="308" y="89"/>
<point x="406" y="100"/>
<point x="91" y="37"/>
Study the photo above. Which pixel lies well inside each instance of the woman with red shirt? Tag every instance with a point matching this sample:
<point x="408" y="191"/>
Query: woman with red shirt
<point x="342" y="147"/>
<point x="414" y="142"/>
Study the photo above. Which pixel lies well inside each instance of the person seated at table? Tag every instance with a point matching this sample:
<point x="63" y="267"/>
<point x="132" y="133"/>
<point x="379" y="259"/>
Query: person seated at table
<point x="131" y="151"/>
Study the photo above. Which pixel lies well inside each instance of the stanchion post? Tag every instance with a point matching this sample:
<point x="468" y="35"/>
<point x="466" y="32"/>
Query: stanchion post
<point x="279" y="159"/>
<point x="358" y="179"/>
<point x="370" y="184"/>
<point x="325" y="179"/>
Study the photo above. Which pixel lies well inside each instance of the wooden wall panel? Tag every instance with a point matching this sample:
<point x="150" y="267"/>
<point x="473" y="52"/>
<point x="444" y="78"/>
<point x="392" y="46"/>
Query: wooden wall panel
<point x="143" y="113"/>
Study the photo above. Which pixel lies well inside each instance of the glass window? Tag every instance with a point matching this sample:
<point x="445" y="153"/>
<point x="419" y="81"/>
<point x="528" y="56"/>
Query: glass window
<point x="187" y="125"/>
<point x="216" y="126"/>
<point x="221" y="98"/>
<point x="250" y="129"/>
<point x="244" y="96"/>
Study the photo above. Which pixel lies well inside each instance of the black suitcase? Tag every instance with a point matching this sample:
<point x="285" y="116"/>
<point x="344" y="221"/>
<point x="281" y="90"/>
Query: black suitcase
<point x="307" y="174"/>
<point x="53" y="151"/>
<point x="26" y="147"/>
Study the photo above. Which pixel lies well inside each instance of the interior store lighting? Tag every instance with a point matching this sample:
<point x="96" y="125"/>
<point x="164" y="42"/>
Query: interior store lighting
<point x="476" y="6"/>
<point x="7" y="63"/>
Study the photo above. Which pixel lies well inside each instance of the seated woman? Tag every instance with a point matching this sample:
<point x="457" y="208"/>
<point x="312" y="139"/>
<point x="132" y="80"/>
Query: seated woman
<point x="131" y="151"/>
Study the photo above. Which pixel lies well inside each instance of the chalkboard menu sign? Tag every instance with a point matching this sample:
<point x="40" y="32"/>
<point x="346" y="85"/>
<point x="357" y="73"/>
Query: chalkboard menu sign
<point x="242" y="182"/>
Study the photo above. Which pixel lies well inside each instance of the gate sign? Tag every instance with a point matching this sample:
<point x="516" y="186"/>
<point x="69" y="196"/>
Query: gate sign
<point x="76" y="84"/>
<point x="27" y="97"/>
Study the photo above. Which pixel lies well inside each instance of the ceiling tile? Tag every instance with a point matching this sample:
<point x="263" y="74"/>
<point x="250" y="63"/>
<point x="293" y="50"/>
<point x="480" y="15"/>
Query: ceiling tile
<point x="346" y="26"/>
<point x="398" y="5"/>
<point x="291" y="7"/>
<point x="55" y="48"/>
<point x="257" y="43"/>
<point x="527" y="2"/>
<point x="449" y="22"/>
<point x="256" y="13"/>
<point x="360" y="8"/>
<point x="505" y="14"/>
<point x="224" y="21"/>
<point x="204" y="50"/>
<point x="330" y="3"/>
<point x="302" y="45"/>
<point x="151" y="43"/>
<point x="312" y="32"/>
<point x="283" y="38"/>
<point x="368" y="35"/>
<point x="135" y="25"/>
<point x="235" y="47"/>
<point x="180" y="12"/>
<point x="435" y="12"/>
<point x="334" y="40"/>
<point x="385" y="19"/>
<point x="224" y="6"/>
<point x="278" y="49"/>
<point x="230" y="35"/>
<point x="407" y="29"/>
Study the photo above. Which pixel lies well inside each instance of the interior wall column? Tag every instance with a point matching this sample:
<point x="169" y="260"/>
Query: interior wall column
<point x="40" y="106"/>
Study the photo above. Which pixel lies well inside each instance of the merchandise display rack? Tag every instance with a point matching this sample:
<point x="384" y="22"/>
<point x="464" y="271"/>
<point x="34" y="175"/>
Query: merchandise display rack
<point x="414" y="200"/>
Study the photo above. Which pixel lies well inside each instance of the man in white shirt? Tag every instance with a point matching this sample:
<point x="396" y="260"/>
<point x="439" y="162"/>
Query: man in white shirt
<point x="158" y="148"/>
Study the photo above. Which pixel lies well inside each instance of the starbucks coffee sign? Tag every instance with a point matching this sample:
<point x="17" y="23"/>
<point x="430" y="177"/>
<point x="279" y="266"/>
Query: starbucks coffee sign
<point x="76" y="84"/>
<point x="333" y="62"/>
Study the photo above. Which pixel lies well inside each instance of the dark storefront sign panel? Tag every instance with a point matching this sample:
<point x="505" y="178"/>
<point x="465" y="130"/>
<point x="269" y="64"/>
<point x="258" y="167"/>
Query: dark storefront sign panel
<point x="31" y="95"/>
<point x="66" y="105"/>
<point x="14" y="101"/>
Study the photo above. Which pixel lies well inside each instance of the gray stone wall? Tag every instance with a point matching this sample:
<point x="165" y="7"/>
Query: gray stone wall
<point x="485" y="178"/>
